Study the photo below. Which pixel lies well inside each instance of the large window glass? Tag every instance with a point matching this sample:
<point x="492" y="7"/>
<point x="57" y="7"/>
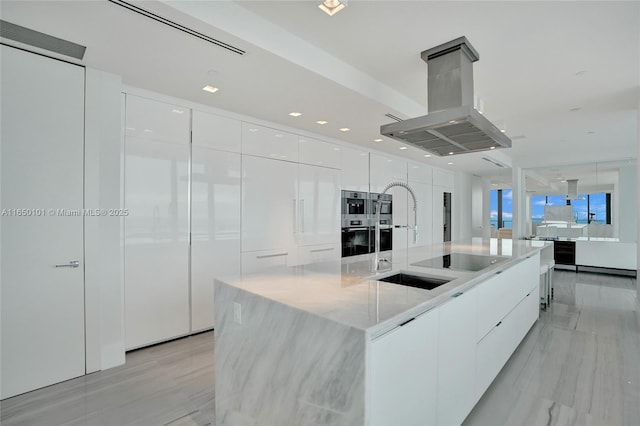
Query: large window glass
<point x="591" y="209"/>
<point x="501" y="208"/>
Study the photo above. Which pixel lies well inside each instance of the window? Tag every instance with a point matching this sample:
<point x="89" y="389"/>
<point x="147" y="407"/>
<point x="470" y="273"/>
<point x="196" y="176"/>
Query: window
<point x="595" y="208"/>
<point x="501" y="208"/>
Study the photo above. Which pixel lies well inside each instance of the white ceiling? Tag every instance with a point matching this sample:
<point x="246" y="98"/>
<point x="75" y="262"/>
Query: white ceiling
<point x="538" y="60"/>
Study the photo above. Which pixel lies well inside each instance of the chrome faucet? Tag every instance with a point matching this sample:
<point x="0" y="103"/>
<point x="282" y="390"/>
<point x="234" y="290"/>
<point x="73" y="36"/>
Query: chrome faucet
<point x="377" y="259"/>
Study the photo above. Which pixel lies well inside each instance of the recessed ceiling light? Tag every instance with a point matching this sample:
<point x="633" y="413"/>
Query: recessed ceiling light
<point x="403" y="147"/>
<point x="452" y="122"/>
<point x="345" y="129"/>
<point x="449" y="163"/>
<point x="210" y="89"/>
<point x="503" y="130"/>
<point x="451" y="153"/>
<point x="295" y="114"/>
<point x="331" y="7"/>
<point x="493" y="147"/>
<point x="178" y="111"/>
<point x="321" y="122"/>
<point x="377" y="140"/>
<point x="427" y="155"/>
<point x="562" y="181"/>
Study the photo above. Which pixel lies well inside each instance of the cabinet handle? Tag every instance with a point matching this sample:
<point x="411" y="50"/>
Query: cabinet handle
<point x="499" y="272"/>
<point x="264" y="256"/>
<point x="406" y="322"/>
<point x="301" y="212"/>
<point x="498" y="324"/>
<point x="295" y="217"/>
<point x="458" y="294"/>
<point x="71" y="264"/>
<point x="325" y="249"/>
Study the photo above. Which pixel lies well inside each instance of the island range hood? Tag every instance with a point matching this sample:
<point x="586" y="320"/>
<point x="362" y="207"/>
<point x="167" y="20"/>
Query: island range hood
<point x="452" y="126"/>
<point x="572" y="190"/>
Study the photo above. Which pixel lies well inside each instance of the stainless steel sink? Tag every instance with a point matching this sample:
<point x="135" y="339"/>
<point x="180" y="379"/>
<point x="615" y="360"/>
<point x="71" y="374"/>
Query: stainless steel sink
<point x="411" y="279"/>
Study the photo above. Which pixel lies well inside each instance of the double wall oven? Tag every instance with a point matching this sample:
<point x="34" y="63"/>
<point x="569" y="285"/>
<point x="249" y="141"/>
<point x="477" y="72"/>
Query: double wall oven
<point x="358" y="222"/>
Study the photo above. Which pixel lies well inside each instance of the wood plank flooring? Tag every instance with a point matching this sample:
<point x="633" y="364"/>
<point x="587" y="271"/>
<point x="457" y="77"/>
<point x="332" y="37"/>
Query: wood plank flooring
<point x="579" y="365"/>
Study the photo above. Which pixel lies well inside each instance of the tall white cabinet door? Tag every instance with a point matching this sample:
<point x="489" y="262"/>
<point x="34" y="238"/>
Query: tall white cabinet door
<point x="355" y="170"/>
<point x="320" y="153"/>
<point x="424" y="196"/>
<point x="156" y="230"/>
<point x="318" y="205"/>
<point x="267" y="142"/>
<point x="42" y="336"/>
<point x="216" y="132"/>
<point x="269" y="205"/>
<point x="456" y="358"/>
<point x="403" y="382"/>
<point x="215" y="227"/>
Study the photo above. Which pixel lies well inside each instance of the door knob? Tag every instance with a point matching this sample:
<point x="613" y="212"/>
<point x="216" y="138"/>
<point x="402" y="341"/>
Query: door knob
<point x="71" y="264"/>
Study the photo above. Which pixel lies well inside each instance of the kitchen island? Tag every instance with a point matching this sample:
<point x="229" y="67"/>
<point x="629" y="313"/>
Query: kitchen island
<point x="332" y="344"/>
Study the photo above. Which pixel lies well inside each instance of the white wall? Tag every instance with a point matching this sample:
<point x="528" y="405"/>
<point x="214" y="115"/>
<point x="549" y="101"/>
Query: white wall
<point x="104" y="319"/>
<point x="627" y="204"/>
<point x="461" y="207"/>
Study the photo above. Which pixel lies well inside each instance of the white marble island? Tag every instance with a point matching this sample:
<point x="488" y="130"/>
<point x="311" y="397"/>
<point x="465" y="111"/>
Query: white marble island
<point x="328" y="344"/>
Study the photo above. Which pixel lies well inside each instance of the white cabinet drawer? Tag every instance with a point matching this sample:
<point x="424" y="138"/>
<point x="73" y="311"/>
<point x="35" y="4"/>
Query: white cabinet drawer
<point x="499" y="294"/>
<point x="528" y="312"/>
<point x="215" y="131"/>
<point x="259" y="261"/>
<point x="318" y="253"/>
<point x="267" y="142"/>
<point x="320" y="153"/>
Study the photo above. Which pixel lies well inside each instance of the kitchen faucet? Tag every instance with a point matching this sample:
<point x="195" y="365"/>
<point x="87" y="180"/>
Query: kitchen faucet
<point x="377" y="259"/>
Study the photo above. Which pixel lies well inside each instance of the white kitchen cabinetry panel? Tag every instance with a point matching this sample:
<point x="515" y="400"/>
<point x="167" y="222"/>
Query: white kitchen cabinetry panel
<point x="320" y="153"/>
<point x="418" y="172"/>
<point x="263" y="260"/>
<point x="424" y="195"/>
<point x="384" y="170"/>
<point x="215" y="227"/>
<point x="443" y="178"/>
<point x="318" y="253"/>
<point x="216" y="132"/>
<point x="355" y="170"/>
<point x="318" y="205"/>
<point x="269" y="204"/>
<point x="155" y="120"/>
<point x="437" y="233"/>
<point x="456" y="358"/>
<point x="267" y="142"/>
<point x="156" y="241"/>
<point x="499" y="294"/>
<point x="529" y="313"/>
<point x="414" y="372"/>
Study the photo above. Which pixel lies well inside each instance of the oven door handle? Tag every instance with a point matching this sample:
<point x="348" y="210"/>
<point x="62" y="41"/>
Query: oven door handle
<point x="364" y="228"/>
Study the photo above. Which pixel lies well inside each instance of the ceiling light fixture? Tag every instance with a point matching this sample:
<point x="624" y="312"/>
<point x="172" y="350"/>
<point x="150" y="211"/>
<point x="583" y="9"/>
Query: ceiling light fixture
<point x="321" y="122"/>
<point x="331" y="7"/>
<point x="493" y="147"/>
<point x="295" y="114"/>
<point x="427" y="155"/>
<point x="377" y="140"/>
<point x="403" y="147"/>
<point x="449" y="163"/>
<point x="210" y="89"/>
<point x="345" y="129"/>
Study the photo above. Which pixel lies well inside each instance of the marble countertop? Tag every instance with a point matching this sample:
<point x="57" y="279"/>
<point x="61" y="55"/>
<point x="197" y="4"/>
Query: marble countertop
<point x="348" y="292"/>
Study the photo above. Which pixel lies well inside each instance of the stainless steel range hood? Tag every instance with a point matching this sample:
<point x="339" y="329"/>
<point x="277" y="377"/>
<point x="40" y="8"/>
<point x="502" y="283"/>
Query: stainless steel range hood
<point x="452" y="126"/>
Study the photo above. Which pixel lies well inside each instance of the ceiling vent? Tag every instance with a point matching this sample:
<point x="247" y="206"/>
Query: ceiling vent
<point x="494" y="162"/>
<point x="40" y="40"/>
<point x="177" y="26"/>
<point x="452" y="125"/>
<point x="393" y="117"/>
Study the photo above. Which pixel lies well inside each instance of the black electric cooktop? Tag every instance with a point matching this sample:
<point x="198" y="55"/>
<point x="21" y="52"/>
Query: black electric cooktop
<point x="460" y="262"/>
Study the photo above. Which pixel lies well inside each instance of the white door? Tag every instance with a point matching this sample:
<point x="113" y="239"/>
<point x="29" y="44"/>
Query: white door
<point x="318" y="205"/>
<point x="42" y="175"/>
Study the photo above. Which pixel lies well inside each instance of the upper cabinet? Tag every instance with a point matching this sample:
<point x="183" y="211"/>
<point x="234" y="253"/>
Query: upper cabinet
<point x="216" y="132"/>
<point x="320" y="153"/>
<point x="154" y="120"/>
<point x="270" y="143"/>
<point x="443" y="178"/>
<point x="355" y="169"/>
<point x="384" y="170"/>
<point x="418" y="172"/>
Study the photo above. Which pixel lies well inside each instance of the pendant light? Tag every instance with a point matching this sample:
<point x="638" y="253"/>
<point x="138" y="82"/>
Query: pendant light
<point x="331" y="7"/>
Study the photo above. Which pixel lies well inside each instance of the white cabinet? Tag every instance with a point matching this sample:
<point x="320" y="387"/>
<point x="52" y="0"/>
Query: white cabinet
<point x="156" y="266"/>
<point x="456" y="358"/>
<point x="318" y="205"/>
<point x="285" y="207"/>
<point x="216" y="132"/>
<point x="403" y="382"/>
<point x="215" y="227"/>
<point x="267" y="142"/>
<point x="320" y="153"/>
<point x="418" y="172"/>
<point x="269" y="204"/>
<point x="424" y="196"/>
<point x="384" y="170"/>
<point x="355" y="170"/>
<point x="318" y="253"/>
<point x="443" y="178"/>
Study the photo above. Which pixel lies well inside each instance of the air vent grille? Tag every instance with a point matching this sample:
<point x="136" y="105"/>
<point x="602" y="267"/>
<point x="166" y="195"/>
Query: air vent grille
<point x="177" y="26"/>
<point x="495" y="163"/>
<point x="393" y="117"/>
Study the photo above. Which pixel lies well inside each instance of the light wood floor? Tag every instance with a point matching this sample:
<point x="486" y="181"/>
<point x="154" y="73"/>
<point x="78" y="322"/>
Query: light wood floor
<point x="579" y="365"/>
